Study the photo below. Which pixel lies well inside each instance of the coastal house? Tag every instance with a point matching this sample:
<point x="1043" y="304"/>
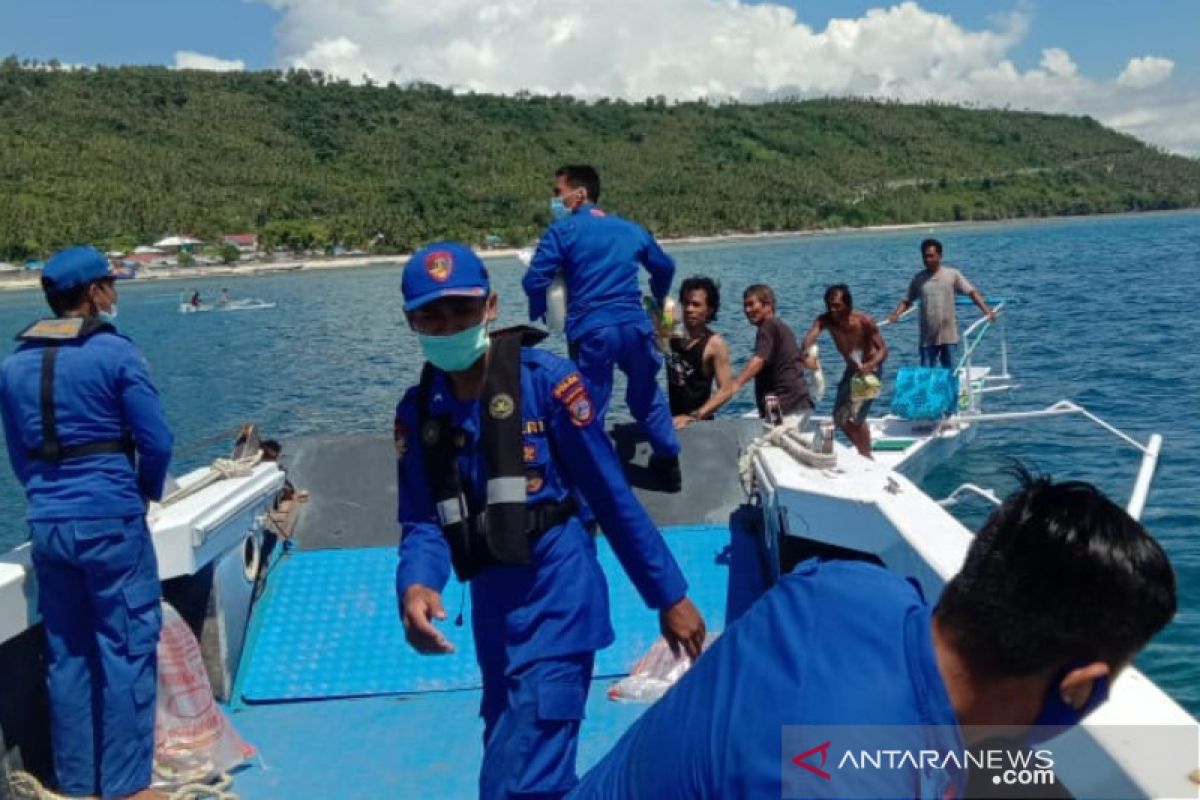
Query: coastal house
<point x="178" y="243"/>
<point x="246" y="243"/>
<point x="147" y="257"/>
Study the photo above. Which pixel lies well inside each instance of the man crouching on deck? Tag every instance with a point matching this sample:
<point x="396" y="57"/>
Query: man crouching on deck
<point x="493" y="443"/>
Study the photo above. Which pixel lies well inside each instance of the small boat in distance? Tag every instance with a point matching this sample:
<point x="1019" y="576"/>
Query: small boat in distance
<point x="194" y="306"/>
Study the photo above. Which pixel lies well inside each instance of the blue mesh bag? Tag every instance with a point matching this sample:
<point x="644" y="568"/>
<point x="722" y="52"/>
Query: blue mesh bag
<point x="925" y="393"/>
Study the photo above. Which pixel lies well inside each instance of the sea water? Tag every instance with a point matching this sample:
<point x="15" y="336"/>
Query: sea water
<point x="1101" y="311"/>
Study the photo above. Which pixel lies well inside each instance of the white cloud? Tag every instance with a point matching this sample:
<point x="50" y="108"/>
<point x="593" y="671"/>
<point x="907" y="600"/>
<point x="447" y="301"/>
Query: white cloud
<point x="187" y="59"/>
<point x="1057" y="61"/>
<point x="1144" y="72"/>
<point x="690" y="49"/>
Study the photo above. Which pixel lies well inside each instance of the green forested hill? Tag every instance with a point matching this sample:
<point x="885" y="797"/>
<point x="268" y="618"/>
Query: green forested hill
<point x="118" y="156"/>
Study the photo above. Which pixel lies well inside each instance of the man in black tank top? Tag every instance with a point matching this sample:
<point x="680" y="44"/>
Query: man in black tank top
<point x="697" y="357"/>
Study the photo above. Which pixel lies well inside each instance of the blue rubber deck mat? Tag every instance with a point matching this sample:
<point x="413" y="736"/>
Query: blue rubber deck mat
<point x="327" y="626"/>
<point x="402" y="746"/>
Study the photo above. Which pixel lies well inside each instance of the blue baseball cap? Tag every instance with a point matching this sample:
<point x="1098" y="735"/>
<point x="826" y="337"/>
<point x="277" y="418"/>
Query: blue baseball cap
<point x="443" y="269"/>
<point x="75" y="266"/>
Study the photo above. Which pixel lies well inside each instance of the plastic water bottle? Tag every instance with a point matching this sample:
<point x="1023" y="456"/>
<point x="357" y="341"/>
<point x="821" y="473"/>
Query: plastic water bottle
<point x="825" y="430"/>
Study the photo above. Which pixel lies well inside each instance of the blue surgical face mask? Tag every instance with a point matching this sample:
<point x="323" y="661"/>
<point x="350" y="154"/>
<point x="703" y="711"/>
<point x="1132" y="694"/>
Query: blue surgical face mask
<point x="1057" y="714"/>
<point x="109" y="315"/>
<point x="457" y="351"/>
<point x="558" y="209"/>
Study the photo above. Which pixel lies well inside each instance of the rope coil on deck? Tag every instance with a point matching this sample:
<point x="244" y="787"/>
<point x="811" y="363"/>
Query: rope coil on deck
<point x="791" y="442"/>
<point x="219" y="470"/>
<point x="24" y="786"/>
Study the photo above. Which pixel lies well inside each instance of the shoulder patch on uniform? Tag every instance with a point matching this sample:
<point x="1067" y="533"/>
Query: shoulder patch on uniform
<point x="572" y="392"/>
<point x="581" y="410"/>
<point x="567" y="384"/>
<point x="501" y="406"/>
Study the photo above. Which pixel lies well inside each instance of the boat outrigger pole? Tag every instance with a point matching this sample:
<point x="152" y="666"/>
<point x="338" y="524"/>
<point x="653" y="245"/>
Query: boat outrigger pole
<point x="1150" y="451"/>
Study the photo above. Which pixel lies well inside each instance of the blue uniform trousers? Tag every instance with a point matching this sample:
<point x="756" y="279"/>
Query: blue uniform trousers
<point x="98" y="593"/>
<point x="531" y="723"/>
<point x="630" y="347"/>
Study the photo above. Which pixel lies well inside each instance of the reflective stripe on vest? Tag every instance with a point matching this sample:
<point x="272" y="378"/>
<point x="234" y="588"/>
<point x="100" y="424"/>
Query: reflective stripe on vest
<point x="506" y="490"/>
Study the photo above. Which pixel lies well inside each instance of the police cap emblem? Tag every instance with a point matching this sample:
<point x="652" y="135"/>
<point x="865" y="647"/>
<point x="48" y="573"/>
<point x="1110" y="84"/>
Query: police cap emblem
<point x="439" y="264"/>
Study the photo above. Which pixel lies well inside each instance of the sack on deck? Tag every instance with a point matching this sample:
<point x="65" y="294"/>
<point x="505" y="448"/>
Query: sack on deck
<point x="193" y="741"/>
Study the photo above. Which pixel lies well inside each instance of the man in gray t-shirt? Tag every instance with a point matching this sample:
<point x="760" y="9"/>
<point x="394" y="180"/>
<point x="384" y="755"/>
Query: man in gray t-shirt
<point x="936" y="287"/>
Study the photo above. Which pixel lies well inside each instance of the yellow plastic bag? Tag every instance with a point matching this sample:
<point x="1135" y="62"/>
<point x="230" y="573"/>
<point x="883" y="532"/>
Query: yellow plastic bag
<point x="865" y="387"/>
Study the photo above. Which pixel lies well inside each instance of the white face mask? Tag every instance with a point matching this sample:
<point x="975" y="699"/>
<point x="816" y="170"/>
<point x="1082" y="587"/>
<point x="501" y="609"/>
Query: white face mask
<point x="106" y="314"/>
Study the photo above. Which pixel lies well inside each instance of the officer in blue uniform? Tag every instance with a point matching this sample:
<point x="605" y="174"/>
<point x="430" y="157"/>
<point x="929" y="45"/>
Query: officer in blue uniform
<point x="599" y="254"/>
<point x="88" y="440"/>
<point x="492" y="446"/>
<point x="1059" y="590"/>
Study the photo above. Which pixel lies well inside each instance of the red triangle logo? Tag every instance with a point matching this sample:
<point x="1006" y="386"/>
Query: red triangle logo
<point x="800" y="760"/>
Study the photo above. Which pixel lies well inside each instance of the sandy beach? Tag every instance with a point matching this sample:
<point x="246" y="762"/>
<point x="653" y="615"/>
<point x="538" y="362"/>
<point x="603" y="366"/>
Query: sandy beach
<point x="25" y="280"/>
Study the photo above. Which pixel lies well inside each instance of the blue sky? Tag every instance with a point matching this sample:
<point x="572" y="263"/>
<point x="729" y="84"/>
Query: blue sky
<point x="599" y="49"/>
<point x="1101" y="35"/>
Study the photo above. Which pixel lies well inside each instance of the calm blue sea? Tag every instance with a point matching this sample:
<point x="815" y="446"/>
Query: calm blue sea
<point x="1102" y="313"/>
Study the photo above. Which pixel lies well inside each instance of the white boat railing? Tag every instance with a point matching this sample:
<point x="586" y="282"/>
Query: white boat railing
<point x="972" y="337"/>
<point x="967" y="490"/>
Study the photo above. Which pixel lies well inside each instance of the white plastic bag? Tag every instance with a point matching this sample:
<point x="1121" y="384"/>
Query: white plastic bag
<point x="556" y="303"/>
<point x="193" y="741"/>
<point x="654" y="673"/>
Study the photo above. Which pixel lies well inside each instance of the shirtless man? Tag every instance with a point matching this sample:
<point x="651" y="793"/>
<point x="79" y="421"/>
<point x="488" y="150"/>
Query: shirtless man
<point x="698" y="357"/>
<point x="859" y="341"/>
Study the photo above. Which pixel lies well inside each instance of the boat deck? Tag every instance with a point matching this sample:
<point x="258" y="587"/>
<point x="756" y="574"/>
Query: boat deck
<point x="339" y="706"/>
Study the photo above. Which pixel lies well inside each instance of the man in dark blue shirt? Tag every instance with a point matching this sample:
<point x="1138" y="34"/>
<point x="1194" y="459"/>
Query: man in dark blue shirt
<point x="501" y="432"/>
<point x="1059" y="590"/>
<point x="598" y="254"/>
<point x="78" y="406"/>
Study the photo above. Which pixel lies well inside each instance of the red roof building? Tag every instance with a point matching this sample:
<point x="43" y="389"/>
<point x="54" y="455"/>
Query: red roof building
<point x="244" y="242"/>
